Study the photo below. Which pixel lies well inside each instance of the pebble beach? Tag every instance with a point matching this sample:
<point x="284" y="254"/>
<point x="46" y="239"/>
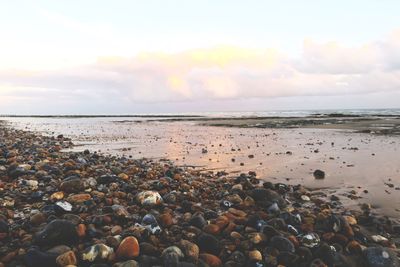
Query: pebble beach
<point x="90" y="209"/>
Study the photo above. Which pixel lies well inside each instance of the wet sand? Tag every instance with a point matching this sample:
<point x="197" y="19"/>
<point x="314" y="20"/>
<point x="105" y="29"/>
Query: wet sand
<point x="359" y="167"/>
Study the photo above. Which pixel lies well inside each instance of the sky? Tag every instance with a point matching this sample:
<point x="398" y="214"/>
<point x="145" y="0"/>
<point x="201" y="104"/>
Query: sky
<point x="173" y="56"/>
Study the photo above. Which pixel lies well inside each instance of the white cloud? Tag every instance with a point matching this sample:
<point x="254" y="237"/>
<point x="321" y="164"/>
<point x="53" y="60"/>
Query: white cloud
<point x="217" y="73"/>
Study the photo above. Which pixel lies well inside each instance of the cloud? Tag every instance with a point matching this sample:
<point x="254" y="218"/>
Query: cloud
<point x="223" y="72"/>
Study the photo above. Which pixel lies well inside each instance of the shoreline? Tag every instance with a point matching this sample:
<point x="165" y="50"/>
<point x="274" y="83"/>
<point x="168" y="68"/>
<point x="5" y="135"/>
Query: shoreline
<point x="157" y="205"/>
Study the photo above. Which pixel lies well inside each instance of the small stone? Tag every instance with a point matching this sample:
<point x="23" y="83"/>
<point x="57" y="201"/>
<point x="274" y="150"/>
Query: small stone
<point x="255" y="255"/>
<point x="208" y="243"/>
<point x="38" y="218"/>
<point x="57" y="195"/>
<point x="57" y="232"/>
<point x="148" y="249"/>
<point x="149" y="198"/>
<point x="130" y="263"/>
<point x="282" y="244"/>
<point x="64" y="205"/>
<point x="237" y="212"/>
<point x="172" y="255"/>
<point x="60" y="249"/>
<point x="257" y="238"/>
<point x="198" y="221"/>
<point x="79" y="198"/>
<point x="68" y="258"/>
<point x="211" y="260"/>
<point x="116" y="230"/>
<point x="237" y="187"/>
<point x="310" y="240"/>
<point x="378" y="238"/>
<point x="354" y="247"/>
<point x="263" y="194"/>
<point x="212" y="229"/>
<point x="128" y="248"/>
<point x="120" y="211"/>
<point x="81" y="230"/>
<point x="97" y="252"/>
<point x="35" y="257"/>
<point x="72" y="185"/>
<point x="190" y="249"/>
<point x="318" y="174"/>
<point x="123" y="176"/>
<point x="166" y="219"/>
<point x="350" y="220"/>
<point x="318" y="263"/>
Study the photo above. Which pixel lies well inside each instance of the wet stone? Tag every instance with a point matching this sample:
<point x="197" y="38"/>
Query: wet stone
<point x="149" y="198"/>
<point x="128" y="248"/>
<point x="208" y="243"/>
<point x="97" y="252"/>
<point x="198" y="221"/>
<point x="57" y="232"/>
<point x="35" y="257"/>
<point x="282" y="244"/>
<point x="318" y="174"/>
<point x="72" y="185"/>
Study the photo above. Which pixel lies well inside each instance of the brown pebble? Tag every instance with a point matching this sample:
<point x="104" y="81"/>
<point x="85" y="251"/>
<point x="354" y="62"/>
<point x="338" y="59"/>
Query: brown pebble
<point x="211" y="260"/>
<point x="38" y="218"/>
<point x="166" y="219"/>
<point x="212" y="229"/>
<point x="81" y="230"/>
<point x="255" y="255"/>
<point x="116" y="230"/>
<point x="354" y="247"/>
<point x="67" y="258"/>
<point x="128" y="248"/>
<point x="79" y="198"/>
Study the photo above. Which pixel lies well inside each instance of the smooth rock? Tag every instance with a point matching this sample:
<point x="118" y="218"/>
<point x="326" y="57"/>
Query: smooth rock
<point x="211" y="260"/>
<point x="208" y="243"/>
<point x="97" y="252"/>
<point x="282" y="244"/>
<point x="128" y="248"/>
<point x="35" y="258"/>
<point x="318" y="174"/>
<point x="191" y="250"/>
<point x="68" y="258"/>
<point x="57" y="232"/>
<point x="72" y="185"/>
<point x="149" y="198"/>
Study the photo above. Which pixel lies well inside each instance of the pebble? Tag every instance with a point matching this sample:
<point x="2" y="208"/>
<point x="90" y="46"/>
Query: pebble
<point x="282" y="244"/>
<point x="255" y="255"/>
<point x="35" y="257"/>
<point x="66" y="259"/>
<point x="128" y="248"/>
<point x="149" y="198"/>
<point x="191" y="250"/>
<point x="57" y="232"/>
<point x="318" y="174"/>
<point x="211" y="260"/>
<point x="97" y="252"/>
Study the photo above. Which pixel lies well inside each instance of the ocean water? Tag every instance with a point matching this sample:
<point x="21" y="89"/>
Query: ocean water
<point x="298" y="113"/>
<point x="267" y="113"/>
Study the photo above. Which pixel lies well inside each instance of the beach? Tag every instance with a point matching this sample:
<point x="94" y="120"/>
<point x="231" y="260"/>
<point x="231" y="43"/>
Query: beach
<point x="361" y="163"/>
<point x="149" y="192"/>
